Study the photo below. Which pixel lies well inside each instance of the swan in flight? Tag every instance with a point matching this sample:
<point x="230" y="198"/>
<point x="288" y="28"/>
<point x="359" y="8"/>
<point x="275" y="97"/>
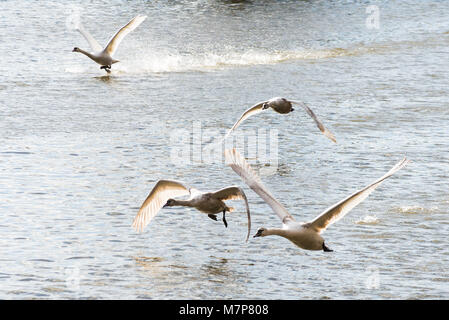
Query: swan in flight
<point x="210" y="203"/>
<point x="304" y="235"/>
<point x="283" y="106"/>
<point x="103" y="56"/>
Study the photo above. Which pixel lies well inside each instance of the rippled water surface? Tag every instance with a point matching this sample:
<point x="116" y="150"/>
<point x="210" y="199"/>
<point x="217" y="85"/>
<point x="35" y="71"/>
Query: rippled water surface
<point x="79" y="151"/>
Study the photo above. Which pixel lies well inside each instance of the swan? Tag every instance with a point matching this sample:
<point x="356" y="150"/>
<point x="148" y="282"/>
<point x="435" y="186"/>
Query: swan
<point x="304" y="235"/>
<point x="283" y="106"/>
<point x="211" y="203"/>
<point x="103" y="56"/>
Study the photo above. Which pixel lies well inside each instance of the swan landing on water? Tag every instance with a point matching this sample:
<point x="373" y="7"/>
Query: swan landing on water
<point x="103" y="56"/>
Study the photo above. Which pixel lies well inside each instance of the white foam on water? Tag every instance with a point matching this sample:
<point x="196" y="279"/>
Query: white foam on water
<point x="160" y="62"/>
<point x="145" y="60"/>
<point x="415" y="209"/>
<point x="368" y="220"/>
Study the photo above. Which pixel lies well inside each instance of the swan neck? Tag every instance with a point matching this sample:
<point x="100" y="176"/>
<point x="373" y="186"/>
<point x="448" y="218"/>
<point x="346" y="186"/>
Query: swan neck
<point x="184" y="203"/>
<point x="275" y="232"/>
<point x="86" y="53"/>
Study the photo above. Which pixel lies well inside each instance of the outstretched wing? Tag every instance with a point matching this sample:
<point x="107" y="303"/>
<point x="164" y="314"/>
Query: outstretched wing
<point x="244" y="170"/>
<point x="162" y="191"/>
<point x="118" y="37"/>
<point x="340" y="209"/>
<point x="92" y="42"/>
<point x="248" y="113"/>
<point x="320" y="125"/>
<point x="234" y="193"/>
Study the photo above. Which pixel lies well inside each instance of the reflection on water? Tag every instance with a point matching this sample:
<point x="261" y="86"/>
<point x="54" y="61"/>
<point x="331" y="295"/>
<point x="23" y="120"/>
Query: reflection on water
<point x="217" y="270"/>
<point x="106" y="78"/>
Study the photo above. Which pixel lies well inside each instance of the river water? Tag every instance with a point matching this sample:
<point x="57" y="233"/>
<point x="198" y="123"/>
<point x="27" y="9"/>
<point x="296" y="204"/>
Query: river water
<point x="79" y="150"/>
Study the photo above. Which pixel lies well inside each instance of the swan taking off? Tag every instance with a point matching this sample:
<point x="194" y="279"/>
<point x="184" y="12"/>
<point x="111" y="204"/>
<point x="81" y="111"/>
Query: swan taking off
<point x="103" y="56"/>
<point x="304" y="235"/>
<point x="280" y="105"/>
<point x="210" y="203"/>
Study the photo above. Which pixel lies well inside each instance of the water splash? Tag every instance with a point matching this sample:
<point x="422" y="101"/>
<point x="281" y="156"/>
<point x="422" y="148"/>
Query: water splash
<point x="160" y="62"/>
<point x="368" y="220"/>
<point x="414" y="209"/>
<point x="144" y="60"/>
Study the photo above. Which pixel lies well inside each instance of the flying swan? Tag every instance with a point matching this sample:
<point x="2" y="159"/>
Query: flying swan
<point x="304" y="235"/>
<point x="283" y="106"/>
<point x="210" y="203"/>
<point x="104" y="56"/>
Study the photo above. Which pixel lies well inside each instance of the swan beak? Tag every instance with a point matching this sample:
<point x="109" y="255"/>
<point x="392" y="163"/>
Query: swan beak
<point x="292" y="109"/>
<point x="258" y="234"/>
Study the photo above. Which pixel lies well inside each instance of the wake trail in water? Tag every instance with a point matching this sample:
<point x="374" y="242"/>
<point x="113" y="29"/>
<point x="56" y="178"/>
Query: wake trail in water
<point x="151" y="60"/>
<point x="157" y="62"/>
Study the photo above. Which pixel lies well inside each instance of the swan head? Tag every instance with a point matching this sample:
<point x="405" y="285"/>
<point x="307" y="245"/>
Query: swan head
<point x="76" y="49"/>
<point x="262" y="232"/>
<point x="170" y="203"/>
<point x="265" y="106"/>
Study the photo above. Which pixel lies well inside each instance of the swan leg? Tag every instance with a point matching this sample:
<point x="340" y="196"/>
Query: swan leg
<point x="326" y="249"/>
<point x="106" y="68"/>
<point x="224" y="219"/>
<point x="212" y="216"/>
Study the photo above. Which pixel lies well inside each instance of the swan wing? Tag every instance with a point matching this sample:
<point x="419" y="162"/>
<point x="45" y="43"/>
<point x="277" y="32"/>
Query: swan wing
<point x="244" y="170"/>
<point x="234" y="193"/>
<point x="248" y="113"/>
<point x="340" y="209"/>
<point x="162" y="191"/>
<point x="118" y="37"/>
<point x="92" y="42"/>
<point x="319" y="124"/>
<point x="194" y="193"/>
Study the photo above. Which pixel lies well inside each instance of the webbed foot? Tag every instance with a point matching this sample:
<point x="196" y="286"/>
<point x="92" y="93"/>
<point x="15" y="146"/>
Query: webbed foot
<point x="326" y="249"/>
<point x="212" y="216"/>
<point x="106" y="68"/>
